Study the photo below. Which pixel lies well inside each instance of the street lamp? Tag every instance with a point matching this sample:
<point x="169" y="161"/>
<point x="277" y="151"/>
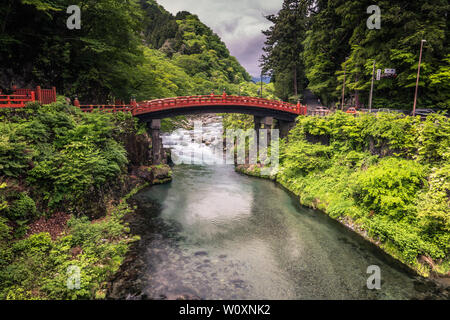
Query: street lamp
<point x="418" y="75"/>
<point x="371" y="88"/>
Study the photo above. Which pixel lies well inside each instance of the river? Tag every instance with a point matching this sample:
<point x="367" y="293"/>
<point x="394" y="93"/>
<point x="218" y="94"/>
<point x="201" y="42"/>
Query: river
<point x="215" y="234"/>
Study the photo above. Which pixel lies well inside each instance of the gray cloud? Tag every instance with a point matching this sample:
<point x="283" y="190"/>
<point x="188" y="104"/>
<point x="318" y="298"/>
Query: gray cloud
<point x="237" y="22"/>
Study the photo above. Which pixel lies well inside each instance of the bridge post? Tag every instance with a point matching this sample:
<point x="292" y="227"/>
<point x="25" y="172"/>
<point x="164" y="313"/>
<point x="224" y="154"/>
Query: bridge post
<point x="257" y="120"/>
<point x="157" y="148"/>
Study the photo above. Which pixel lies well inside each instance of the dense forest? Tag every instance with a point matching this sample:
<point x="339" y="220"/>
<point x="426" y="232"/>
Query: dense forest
<point x="311" y="43"/>
<point x="123" y="49"/>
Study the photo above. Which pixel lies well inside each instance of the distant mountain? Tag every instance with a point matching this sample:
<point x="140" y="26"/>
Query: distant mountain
<point x="191" y="44"/>
<point x="258" y="79"/>
<point x="183" y="56"/>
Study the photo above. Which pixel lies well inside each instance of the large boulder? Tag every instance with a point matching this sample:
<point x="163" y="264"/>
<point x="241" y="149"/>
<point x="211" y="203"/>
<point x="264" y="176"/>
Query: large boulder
<point x="161" y="173"/>
<point x="155" y="174"/>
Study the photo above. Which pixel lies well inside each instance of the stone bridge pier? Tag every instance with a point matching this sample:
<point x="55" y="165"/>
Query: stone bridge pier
<point x="262" y="123"/>
<point x="267" y="123"/>
<point x="154" y="129"/>
<point x="285" y="127"/>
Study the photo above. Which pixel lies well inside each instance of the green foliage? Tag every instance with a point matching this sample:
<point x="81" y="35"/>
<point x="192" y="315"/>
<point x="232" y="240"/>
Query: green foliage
<point x="433" y="139"/>
<point x="302" y="158"/>
<point x="95" y="62"/>
<point x="64" y="153"/>
<point x="237" y="121"/>
<point x="37" y="267"/>
<point x="192" y="60"/>
<point x="283" y="47"/>
<point x="22" y="208"/>
<point x="124" y="49"/>
<point x="14" y="152"/>
<point x="388" y="174"/>
<point x="390" y="186"/>
<point x="72" y="157"/>
<point x="433" y="205"/>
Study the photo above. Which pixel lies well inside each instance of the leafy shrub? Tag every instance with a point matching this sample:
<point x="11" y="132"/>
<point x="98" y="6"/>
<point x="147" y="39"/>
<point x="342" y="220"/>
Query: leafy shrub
<point x="14" y="152"/>
<point x="63" y="155"/>
<point x="36" y="267"/>
<point x="434" y="202"/>
<point x="433" y="139"/>
<point x="23" y="208"/>
<point x="63" y="152"/>
<point x="301" y="157"/>
<point x="390" y="187"/>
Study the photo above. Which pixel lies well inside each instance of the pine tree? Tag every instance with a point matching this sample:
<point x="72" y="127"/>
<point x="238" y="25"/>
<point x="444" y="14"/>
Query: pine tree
<point x="283" y="47"/>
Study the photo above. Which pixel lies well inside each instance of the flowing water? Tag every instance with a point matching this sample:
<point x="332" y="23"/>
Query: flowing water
<point x="216" y="234"/>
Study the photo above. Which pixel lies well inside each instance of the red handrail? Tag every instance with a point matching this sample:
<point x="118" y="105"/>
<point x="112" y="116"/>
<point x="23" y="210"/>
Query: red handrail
<point x="16" y="101"/>
<point x="21" y="97"/>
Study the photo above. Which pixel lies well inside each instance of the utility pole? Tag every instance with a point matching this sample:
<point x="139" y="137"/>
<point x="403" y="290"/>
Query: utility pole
<point x="343" y="85"/>
<point x="418" y="75"/>
<point x="261" y="84"/>
<point x="371" y="88"/>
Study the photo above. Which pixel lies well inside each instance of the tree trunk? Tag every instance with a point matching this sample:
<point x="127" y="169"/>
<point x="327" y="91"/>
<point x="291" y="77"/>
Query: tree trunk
<point x="295" y="81"/>
<point x="357" y="94"/>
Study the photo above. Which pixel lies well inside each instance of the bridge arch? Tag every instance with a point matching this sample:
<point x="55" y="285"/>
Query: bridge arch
<point x="163" y="108"/>
<point x="263" y="110"/>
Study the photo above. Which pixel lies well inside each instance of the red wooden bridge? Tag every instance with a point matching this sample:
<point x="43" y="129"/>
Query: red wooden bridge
<point x="162" y="108"/>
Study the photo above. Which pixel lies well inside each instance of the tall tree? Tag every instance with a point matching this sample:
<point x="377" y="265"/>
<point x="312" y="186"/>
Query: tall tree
<point x="325" y="49"/>
<point x="36" y="47"/>
<point x="283" y="47"/>
<point x="336" y="32"/>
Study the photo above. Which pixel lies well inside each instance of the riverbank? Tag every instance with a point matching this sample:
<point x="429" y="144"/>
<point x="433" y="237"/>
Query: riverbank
<point x="373" y="188"/>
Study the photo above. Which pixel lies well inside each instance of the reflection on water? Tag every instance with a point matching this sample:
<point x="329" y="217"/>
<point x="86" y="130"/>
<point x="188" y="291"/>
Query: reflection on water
<point x="216" y="234"/>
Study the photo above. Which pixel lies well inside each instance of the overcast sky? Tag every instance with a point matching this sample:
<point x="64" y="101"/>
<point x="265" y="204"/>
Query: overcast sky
<point x="237" y="22"/>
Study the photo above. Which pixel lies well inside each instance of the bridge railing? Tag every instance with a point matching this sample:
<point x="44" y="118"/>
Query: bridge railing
<point x="21" y="97"/>
<point x="106" y="108"/>
<point x="16" y="100"/>
<point x="44" y="96"/>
